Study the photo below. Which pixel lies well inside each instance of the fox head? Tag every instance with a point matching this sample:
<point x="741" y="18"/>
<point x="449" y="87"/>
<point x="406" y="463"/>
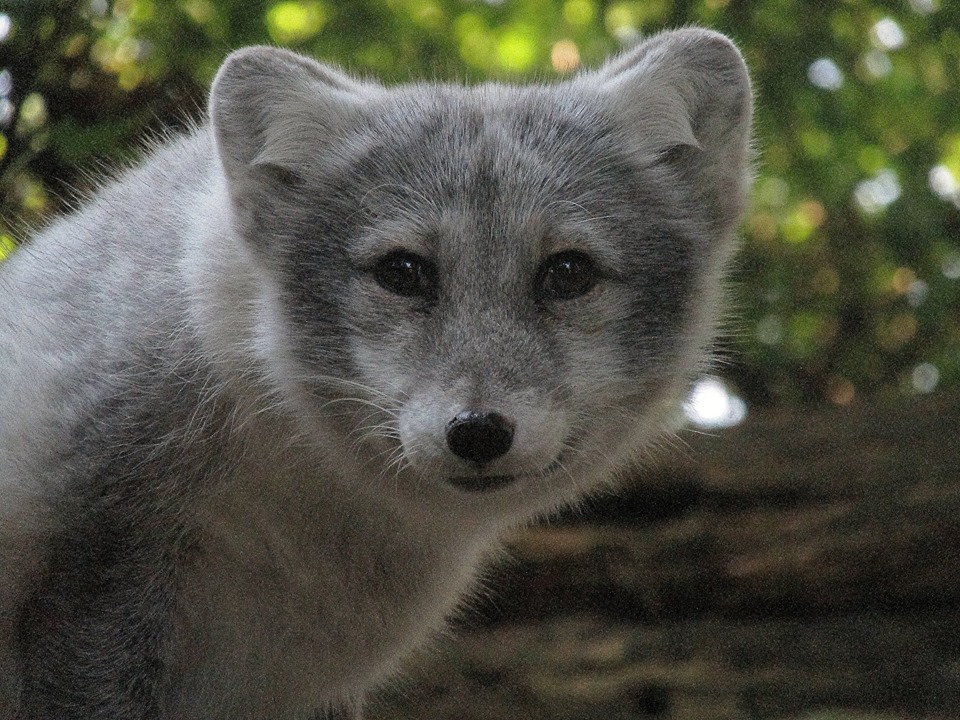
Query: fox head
<point x="496" y="295"/>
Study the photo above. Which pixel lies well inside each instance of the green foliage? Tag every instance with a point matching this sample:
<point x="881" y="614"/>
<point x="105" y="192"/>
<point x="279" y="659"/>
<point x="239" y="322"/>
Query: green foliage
<point x="849" y="283"/>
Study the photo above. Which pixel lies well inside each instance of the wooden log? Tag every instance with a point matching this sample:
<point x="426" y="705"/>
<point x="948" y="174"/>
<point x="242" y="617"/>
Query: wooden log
<point x="852" y="667"/>
<point x="793" y="513"/>
<point x="805" y="564"/>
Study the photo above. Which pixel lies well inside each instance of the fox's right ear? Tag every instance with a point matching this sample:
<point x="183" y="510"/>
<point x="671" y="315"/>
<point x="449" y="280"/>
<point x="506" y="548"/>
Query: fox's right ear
<point x="275" y="109"/>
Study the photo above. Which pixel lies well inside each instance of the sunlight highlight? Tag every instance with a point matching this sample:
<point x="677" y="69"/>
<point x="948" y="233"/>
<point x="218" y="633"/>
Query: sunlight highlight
<point x="886" y="34"/>
<point x="712" y="406"/>
<point x="515" y="50"/>
<point x="291" y="22"/>
<point x="943" y="184"/>
<point x="565" y="56"/>
<point x="925" y="378"/>
<point x="875" y="194"/>
<point x="825" y="74"/>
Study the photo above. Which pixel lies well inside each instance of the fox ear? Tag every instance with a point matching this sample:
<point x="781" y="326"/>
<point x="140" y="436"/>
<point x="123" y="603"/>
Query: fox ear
<point x="684" y="97"/>
<point x="271" y="108"/>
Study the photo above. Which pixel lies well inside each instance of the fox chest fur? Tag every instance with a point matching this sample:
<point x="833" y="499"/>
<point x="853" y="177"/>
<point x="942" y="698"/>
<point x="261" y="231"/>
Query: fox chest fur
<point x="269" y="400"/>
<point x="269" y="624"/>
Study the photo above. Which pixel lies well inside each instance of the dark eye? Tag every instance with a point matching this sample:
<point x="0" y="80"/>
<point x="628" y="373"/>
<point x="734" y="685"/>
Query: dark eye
<point x="407" y="274"/>
<point x="567" y="275"/>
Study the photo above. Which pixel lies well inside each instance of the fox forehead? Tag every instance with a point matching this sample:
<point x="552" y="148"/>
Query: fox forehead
<point x="527" y="176"/>
<point x="464" y="146"/>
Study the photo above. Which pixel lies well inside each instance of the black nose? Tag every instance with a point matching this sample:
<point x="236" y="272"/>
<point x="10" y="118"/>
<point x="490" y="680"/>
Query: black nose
<point x="479" y="436"/>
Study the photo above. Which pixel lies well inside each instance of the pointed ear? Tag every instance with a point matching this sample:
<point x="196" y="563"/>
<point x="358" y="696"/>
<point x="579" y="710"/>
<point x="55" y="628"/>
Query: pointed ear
<point x="271" y="108"/>
<point x="684" y="97"/>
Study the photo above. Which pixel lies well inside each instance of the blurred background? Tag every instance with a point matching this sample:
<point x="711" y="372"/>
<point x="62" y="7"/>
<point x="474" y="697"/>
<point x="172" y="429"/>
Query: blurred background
<point x="850" y="279"/>
<point x="805" y="563"/>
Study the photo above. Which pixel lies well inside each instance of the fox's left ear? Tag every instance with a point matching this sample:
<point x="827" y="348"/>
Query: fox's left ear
<point x="684" y="97"/>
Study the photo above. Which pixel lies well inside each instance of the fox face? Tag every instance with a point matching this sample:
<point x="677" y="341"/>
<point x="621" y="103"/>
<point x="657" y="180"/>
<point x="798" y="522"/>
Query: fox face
<point x="517" y="308"/>
<point x="490" y="291"/>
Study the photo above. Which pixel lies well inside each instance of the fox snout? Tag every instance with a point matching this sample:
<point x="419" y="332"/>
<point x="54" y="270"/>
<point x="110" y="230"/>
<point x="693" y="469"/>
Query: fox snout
<point x="480" y="437"/>
<point x="482" y="446"/>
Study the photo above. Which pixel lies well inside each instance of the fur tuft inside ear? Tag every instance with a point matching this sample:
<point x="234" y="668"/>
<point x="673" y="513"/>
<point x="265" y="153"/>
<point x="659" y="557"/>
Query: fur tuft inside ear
<point x="273" y="108"/>
<point x="684" y="97"/>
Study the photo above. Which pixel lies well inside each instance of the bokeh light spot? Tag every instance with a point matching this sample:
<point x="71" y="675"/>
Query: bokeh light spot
<point x="564" y="56"/>
<point x="712" y="405"/>
<point x="825" y="74"/>
<point x="292" y="22"/>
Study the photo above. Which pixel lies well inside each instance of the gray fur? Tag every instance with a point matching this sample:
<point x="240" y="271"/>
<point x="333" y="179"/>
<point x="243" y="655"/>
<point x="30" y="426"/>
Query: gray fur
<point x="226" y="490"/>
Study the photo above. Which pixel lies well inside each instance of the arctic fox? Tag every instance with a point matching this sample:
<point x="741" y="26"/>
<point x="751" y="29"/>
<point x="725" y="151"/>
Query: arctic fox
<point x="269" y="400"/>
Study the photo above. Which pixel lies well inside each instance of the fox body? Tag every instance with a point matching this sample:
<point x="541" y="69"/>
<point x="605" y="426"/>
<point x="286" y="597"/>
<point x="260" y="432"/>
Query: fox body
<point x="269" y="400"/>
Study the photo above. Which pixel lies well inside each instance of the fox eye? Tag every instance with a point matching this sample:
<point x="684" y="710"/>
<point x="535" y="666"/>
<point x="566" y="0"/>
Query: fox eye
<point x="407" y="274"/>
<point x="567" y="275"/>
